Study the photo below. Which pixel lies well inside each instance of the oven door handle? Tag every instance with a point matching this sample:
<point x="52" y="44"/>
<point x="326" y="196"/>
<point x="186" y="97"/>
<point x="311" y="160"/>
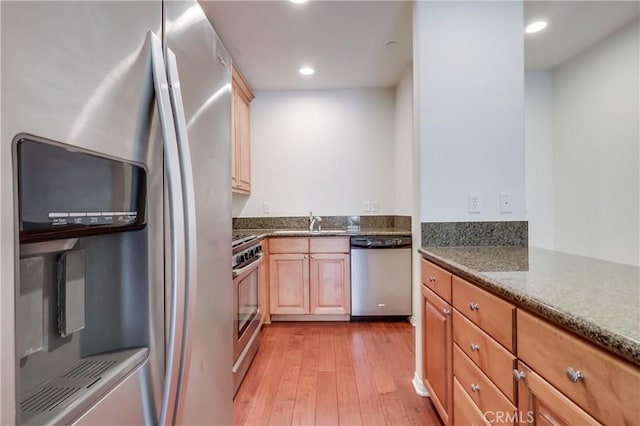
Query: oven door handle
<point x="238" y="272"/>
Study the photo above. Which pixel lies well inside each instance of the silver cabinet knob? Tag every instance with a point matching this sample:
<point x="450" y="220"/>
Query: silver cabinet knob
<point x="518" y="375"/>
<point x="447" y="312"/>
<point x="475" y="347"/>
<point x="313" y="257"/>
<point x="574" y="375"/>
<point x="432" y="278"/>
<point x="474" y="306"/>
<point x="475" y="388"/>
<point x="305" y="256"/>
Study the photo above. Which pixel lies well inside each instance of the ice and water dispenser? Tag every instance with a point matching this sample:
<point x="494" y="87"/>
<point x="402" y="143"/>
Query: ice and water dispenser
<point x="82" y="296"/>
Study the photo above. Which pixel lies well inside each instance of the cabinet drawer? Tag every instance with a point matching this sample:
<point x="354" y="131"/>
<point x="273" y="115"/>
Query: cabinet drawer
<point x="288" y="245"/>
<point x="609" y="387"/>
<point x="494" y="360"/>
<point x="465" y="411"/>
<point x="437" y="279"/>
<point x="490" y="313"/>
<point x="482" y="391"/>
<point x="328" y="245"/>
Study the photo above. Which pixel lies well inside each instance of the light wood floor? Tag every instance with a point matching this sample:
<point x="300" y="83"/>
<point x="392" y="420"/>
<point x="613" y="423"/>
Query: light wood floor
<point x="333" y="374"/>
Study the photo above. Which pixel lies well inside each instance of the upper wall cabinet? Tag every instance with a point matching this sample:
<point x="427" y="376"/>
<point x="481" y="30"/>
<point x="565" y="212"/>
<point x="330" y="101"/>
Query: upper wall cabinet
<point x="241" y="150"/>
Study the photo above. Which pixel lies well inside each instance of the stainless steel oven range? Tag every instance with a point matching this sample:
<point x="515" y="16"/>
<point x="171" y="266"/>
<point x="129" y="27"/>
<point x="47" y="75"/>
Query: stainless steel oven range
<point x="247" y="261"/>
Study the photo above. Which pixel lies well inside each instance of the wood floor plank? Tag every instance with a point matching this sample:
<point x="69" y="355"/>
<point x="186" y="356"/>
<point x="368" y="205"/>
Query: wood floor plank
<point x="370" y="406"/>
<point x="326" y="360"/>
<point x="420" y="411"/>
<point x="284" y="401"/>
<point x="375" y="344"/>
<point x="327" y="399"/>
<point x="304" y="412"/>
<point x="261" y="408"/>
<point x="394" y="411"/>
<point x="248" y="391"/>
<point x="348" y="403"/>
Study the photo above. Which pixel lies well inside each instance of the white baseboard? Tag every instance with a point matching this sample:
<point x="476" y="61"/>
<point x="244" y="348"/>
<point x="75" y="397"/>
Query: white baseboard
<point x="412" y="320"/>
<point x="419" y="386"/>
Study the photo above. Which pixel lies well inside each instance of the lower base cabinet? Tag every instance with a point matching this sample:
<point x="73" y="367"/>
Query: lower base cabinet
<point x="542" y="404"/>
<point x="555" y="378"/>
<point x="436" y="317"/>
<point x="289" y="283"/>
<point x="309" y="276"/>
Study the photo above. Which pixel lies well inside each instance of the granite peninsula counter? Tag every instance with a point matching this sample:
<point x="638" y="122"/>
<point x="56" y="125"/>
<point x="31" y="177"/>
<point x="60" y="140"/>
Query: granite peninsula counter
<point x="595" y="299"/>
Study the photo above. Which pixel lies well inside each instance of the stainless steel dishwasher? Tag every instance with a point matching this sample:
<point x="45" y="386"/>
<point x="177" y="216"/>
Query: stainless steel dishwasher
<point x="380" y="276"/>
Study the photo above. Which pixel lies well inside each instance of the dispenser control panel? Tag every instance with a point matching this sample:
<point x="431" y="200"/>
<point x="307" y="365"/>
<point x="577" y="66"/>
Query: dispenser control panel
<point x="64" y="192"/>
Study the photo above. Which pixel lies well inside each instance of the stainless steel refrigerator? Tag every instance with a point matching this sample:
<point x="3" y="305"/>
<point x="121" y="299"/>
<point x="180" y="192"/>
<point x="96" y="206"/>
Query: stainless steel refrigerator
<point x="115" y="215"/>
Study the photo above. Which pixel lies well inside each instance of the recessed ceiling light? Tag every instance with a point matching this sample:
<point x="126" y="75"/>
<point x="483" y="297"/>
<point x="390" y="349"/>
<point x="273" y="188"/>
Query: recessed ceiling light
<point x="306" y="71"/>
<point x="535" y="27"/>
<point x="298" y="1"/>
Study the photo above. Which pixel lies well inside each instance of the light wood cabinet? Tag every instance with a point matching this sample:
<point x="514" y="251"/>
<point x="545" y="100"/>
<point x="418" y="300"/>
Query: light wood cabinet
<point x="289" y="283"/>
<point x="329" y="283"/>
<point x="465" y="412"/>
<point x="542" y="404"/>
<point x="492" y="314"/>
<point x="241" y="97"/>
<point x="606" y="387"/>
<point x="307" y="278"/>
<point x="493" y="359"/>
<point x="437" y="376"/>
<point x="554" y="377"/>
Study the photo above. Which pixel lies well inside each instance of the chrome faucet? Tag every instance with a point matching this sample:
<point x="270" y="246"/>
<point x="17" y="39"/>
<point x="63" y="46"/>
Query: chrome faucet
<point x="312" y="221"/>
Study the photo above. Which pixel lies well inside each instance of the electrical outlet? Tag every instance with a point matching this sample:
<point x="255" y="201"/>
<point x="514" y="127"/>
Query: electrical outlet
<point x="474" y="202"/>
<point x="375" y="206"/>
<point x="266" y="208"/>
<point x="367" y="206"/>
<point x="505" y="202"/>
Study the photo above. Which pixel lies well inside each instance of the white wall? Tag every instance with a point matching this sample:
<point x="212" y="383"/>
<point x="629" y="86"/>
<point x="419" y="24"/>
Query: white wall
<point x="596" y="149"/>
<point x="326" y="151"/>
<point x="469" y="59"/>
<point x="404" y="143"/>
<point x="539" y="157"/>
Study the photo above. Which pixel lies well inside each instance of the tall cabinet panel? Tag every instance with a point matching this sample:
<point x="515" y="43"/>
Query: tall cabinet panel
<point x="241" y="137"/>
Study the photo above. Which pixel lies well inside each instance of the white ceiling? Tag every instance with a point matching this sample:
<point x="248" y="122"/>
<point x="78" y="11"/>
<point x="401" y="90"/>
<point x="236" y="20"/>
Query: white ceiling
<point x="572" y="27"/>
<point x="345" y="41"/>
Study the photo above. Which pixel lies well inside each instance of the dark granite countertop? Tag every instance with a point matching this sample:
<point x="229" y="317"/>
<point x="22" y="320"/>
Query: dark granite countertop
<point x="595" y="299"/>
<point x="378" y="232"/>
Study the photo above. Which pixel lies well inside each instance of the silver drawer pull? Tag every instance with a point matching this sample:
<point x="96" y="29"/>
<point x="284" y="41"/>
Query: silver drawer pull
<point x="432" y="278"/>
<point x="475" y="348"/>
<point x="518" y="375"/>
<point x="474" y="306"/>
<point x="475" y="388"/>
<point x="447" y="312"/>
<point x="574" y="375"/>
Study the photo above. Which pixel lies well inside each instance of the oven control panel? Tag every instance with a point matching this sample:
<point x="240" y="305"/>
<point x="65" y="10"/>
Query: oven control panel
<point x="246" y="256"/>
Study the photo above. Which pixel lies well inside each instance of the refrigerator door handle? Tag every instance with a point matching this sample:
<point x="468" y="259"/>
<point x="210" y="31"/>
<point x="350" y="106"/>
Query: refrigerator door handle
<point x="188" y="193"/>
<point x="178" y="244"/>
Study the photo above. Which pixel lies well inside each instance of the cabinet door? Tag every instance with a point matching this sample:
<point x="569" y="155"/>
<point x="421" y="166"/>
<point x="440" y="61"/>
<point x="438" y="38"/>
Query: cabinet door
<point x="437" y="341"/>
<point x="330" y="284"/>
<point x="542" y="404"/>
<point x="235" y="142"/>
<point x="243" y="165"/>
<point x="289" y="283"/>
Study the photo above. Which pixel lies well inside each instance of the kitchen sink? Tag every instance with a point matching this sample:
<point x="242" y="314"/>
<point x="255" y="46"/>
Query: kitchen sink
<point x="305" y="232"/>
